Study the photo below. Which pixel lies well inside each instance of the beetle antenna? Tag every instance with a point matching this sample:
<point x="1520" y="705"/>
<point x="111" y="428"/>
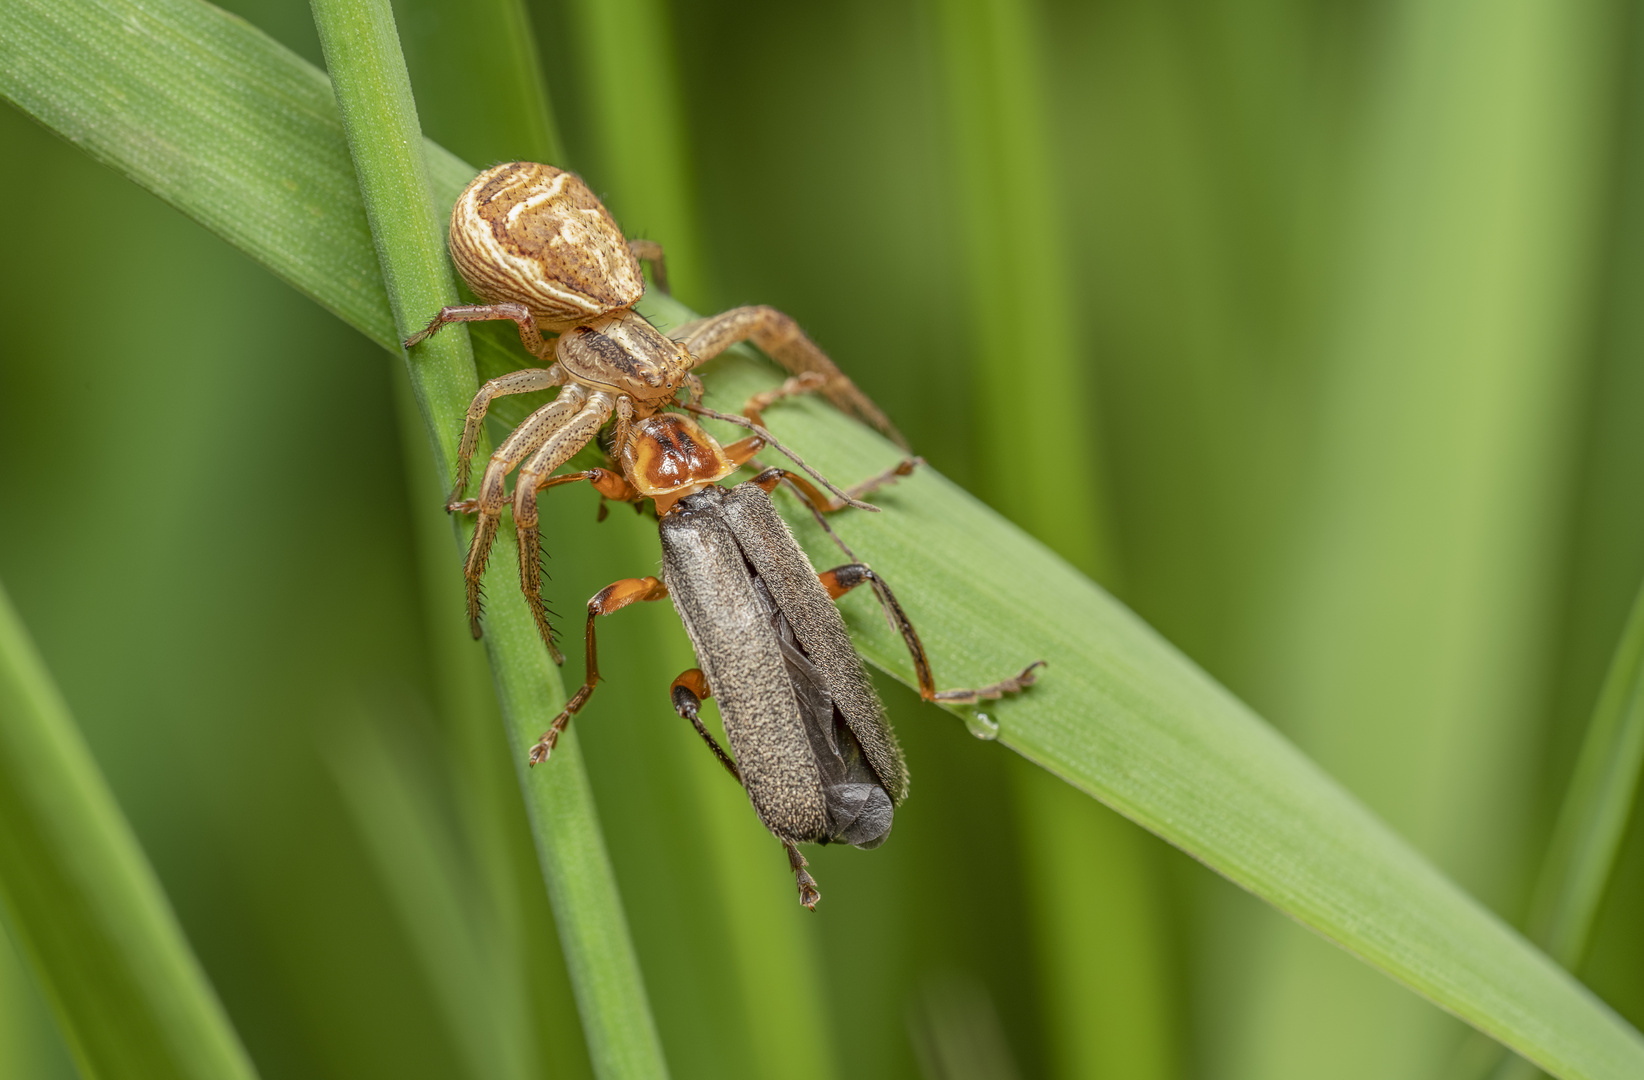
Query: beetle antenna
<point x="744" y="422"/>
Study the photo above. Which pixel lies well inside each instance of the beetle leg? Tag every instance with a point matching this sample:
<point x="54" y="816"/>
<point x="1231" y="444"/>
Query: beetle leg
<point x="565" y="441"/>
<point x="608" y="601"/>
<point x="826" y="504"/>
<point x="783" y="341"/>
<point x="607" y="483"/>
<point x="651" y="252"/>
<point x="770" y="440"/>
<point x="519" y="314"/>
<point x="538" y="428"/>
<point x="842" y="579"/>
<point x="808" y="892"/>
<point x="515" y="382"/>
<point x="687" y="693"/>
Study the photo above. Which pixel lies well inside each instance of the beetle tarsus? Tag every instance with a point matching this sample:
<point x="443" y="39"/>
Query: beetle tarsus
<point x="988" y="693"/>
<point x="809" y="894"/>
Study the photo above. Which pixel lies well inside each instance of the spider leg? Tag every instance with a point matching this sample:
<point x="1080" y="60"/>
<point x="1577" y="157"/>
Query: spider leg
<point x="519" y="314"/>
<point x="515" y="382"/>
<point x="556" y="450"/>
<point x="538" y="428"/>
<point x="782" y="339"/>
<point x="651" y="251"/>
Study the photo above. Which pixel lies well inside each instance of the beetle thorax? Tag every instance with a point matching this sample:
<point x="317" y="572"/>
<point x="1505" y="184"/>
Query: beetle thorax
<point x="535" y="235"/>
<point x="625" y="354"/>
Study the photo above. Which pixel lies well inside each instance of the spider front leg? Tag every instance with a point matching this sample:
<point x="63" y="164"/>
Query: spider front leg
<point x="525" y="440"/>
<point x="572" y="436"/>
<point x="783" y="341"/>
<point x="518" y="314"/>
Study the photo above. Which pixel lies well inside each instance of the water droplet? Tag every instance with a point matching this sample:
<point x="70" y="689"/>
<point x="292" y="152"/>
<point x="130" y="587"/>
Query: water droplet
<point x="982" y="725"/>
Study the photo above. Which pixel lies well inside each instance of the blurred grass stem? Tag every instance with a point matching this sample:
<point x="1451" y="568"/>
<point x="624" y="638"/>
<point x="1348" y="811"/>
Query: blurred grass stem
<point x="84" y="904"/>
<point x="374" y="95"/>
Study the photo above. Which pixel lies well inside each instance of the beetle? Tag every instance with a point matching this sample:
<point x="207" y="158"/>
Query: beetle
<point x="535" y="244"/>
<point x="812" y="747"/>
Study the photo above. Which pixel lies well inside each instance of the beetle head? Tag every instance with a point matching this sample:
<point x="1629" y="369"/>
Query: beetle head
<point x="669" y="456"/>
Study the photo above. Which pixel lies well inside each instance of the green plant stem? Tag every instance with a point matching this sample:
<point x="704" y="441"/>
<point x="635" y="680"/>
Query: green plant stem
<point x="1597" y="806"/>
<point x="1593" y="820"/>
<point x="374" y="96"/>
<point x="475" y="71"/>
<point x="1120" y="713"/>
<point x="84" y="903"/>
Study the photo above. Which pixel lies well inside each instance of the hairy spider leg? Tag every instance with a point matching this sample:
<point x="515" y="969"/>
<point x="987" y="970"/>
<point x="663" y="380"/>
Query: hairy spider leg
<point x="650" y="251"/>
<point x="576" y="433"/>
<point x="608" y="601"/>
<point x="519" y="314"/>
<point x="538" y="428"/>
<point x="688" y="692"/>
<point x="783" y="341"/>
<point x="523" y="381"/>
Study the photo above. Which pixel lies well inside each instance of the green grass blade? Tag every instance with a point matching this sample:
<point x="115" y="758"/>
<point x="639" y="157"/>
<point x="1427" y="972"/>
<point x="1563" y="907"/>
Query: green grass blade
<point x="1412" y="628"/>
<point x="1587" y="839"/>
<point x="84" y="903"/>
<point x="514" y="907"/>
<point x="1126" y="718"/>
<point x="475" y="74"/>
<point x="374" y="94"/>
<point x="1094" y="895"/>
<point x="1120" y="713"/>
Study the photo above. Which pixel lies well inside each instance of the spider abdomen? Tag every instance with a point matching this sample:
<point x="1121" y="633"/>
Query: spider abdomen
<point x="531" y="234"/>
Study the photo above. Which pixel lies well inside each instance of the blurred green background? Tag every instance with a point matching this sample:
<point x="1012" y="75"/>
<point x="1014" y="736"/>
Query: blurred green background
<point x="1312" y="330"/>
